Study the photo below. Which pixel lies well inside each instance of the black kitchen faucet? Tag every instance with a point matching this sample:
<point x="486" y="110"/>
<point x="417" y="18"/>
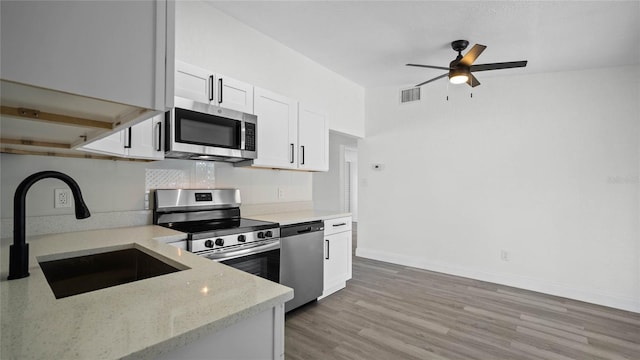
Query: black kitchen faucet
<point x="19" y="251"/>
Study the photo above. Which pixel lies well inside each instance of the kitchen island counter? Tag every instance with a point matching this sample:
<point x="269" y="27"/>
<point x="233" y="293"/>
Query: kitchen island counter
<point x="141" y="319"/>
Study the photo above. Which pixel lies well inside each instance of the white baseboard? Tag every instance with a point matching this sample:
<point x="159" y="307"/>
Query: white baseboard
<point x="527" y="283"/>
<point x="332" y="289"/>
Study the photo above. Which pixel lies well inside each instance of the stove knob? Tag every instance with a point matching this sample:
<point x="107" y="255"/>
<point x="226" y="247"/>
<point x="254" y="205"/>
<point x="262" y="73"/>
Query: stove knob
<point x="219" y="241"/>
<point x="268" y="234"/>
<point x="242" y="238"/>
<point x="208" y="243"/>
<point x="260" y="235"/>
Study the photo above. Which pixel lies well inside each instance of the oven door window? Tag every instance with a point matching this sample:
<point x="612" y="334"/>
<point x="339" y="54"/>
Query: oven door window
<point x="266" y="264"/>
<point x="206" y="129"/>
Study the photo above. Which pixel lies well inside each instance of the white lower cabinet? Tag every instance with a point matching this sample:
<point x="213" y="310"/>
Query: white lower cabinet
<point x="258" y="337"/>
<point x="141" y="141"/>
<point x="337" y="254"/>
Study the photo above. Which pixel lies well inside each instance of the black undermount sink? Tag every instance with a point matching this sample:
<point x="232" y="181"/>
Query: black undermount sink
<point x="81" y="274"/>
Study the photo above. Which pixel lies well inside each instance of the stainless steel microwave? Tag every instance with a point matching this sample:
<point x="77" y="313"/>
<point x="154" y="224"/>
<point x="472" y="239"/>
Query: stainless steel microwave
<point x="208" y="132"/>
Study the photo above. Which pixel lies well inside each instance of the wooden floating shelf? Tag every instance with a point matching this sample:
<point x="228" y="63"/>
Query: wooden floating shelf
<point x="48" y="144"/>
<point x="70" y="154"/>
<point x="54" y="118"/>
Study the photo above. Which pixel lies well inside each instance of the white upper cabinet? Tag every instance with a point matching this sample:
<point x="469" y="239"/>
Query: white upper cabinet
<point x="109" y="50"/>
<point x="87" y="69"/>
<point x="313" y="140"/>
<point x="146" y="139"/>
<point x="141" y="141"/>
<point x="196" y="83"/>
<point x="277" y="141"/>
<point x="193" y="82"/>
<point x="234" y="94"/>
<point x="290" y="136"/>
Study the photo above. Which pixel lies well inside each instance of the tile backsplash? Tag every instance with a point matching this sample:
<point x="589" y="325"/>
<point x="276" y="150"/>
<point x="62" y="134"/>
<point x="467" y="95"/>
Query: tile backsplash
<point x="117" y="192"/>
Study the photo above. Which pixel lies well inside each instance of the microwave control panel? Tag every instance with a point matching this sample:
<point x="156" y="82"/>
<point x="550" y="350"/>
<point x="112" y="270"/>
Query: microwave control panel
<point x="250" y="137"/>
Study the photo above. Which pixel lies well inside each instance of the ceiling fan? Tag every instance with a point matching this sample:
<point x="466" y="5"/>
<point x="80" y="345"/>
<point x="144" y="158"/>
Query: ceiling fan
<point x="461" y="69"/>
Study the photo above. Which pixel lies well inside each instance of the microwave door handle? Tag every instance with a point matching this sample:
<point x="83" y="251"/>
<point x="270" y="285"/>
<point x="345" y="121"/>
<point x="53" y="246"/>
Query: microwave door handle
<point x="210" y="87"/>
<point x="243" y="134"/>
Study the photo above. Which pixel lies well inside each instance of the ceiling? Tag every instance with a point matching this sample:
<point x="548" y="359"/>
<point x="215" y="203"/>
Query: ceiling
<point x="369" y="42"/>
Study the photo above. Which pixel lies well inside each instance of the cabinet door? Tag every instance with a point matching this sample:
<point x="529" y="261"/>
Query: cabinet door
<point x="146" y="139"/>
<point x="110" y="145"/>
<point x="195" y="83"/>
<point x="234" y="94"/>
<point x="337" y="256"/>
<point x="313" y="140"/>
<point x="111" y="50"/>
<point x="277" y="130"/>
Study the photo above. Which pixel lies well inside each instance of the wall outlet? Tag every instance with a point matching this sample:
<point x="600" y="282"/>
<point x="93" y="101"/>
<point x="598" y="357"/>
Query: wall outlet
<point x="280" y="193"/>
<point x="62" y="198"/>
<point x="504" y="255"/>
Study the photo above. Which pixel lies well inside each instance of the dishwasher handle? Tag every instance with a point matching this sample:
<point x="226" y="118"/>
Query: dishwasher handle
<point x="301" y="228"/>
<point x="305" y="230"/>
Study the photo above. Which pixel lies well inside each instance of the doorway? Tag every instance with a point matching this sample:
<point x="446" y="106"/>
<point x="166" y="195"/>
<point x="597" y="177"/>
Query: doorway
<point x="350" y="181"/>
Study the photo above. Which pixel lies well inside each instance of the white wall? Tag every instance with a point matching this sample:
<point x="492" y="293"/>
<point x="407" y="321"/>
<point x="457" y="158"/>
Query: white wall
<point x="260" y="186"/>
<point x="213" y="40"/>
<point x="544" y="167"/>
<point x="327" y="186"/>
<point x="114" y="191"/>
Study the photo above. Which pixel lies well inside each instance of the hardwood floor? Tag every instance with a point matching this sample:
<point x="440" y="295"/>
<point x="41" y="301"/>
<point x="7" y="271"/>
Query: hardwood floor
<point x="390" y="311"/>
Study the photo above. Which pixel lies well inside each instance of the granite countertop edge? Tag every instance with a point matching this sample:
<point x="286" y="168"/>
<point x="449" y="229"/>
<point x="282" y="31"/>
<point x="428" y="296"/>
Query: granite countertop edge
<point x="234" y="296"/>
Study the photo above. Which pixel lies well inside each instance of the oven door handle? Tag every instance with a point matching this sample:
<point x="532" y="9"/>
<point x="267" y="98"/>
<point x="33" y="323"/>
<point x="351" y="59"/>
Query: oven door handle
<point x="228" y="255"/>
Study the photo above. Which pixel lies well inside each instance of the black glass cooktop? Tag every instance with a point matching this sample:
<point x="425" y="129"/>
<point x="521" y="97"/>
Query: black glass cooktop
<point x="203" y="229"/>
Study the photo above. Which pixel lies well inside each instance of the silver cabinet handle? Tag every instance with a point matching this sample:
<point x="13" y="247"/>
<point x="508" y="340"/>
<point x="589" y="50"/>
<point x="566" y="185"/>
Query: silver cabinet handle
<point x="302" y="146"/>
<point x="328" y="247"/>
<point x="292" y="150"/>
<point x="341" y="224"/>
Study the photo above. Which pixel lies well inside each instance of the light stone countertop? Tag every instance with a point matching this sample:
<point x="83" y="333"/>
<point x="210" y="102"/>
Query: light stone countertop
<point x="294" y="217"/>
<point x="141" y="319"/>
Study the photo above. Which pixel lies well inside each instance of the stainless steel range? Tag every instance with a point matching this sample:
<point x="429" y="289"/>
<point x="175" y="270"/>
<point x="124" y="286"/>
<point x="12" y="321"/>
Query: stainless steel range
<point x="211" y="218"/>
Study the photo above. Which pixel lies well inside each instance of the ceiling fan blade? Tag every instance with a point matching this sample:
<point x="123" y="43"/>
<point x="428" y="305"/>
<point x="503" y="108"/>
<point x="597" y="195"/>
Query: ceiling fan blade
<point x="472" y="55"/>
<point x="498" y="66"/>
<point x="429" y="66"/>
<point x="434" y="79"/>
<point x="473" y="82"/>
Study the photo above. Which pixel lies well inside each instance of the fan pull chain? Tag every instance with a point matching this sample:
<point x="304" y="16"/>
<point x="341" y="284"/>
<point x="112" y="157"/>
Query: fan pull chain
<point x="447" y="91"/>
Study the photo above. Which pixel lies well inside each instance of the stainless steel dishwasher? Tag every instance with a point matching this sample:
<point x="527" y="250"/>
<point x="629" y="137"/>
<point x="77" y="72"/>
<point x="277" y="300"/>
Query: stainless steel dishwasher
<point x="301" y="261"/>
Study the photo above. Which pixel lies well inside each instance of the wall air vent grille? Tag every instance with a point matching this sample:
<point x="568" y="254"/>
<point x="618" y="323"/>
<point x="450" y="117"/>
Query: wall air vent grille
<point x="409" y="95"/>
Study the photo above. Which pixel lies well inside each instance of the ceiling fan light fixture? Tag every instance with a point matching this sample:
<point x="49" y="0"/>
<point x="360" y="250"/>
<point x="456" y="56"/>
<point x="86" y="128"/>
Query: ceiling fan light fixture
<point x="459" y="76"/>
